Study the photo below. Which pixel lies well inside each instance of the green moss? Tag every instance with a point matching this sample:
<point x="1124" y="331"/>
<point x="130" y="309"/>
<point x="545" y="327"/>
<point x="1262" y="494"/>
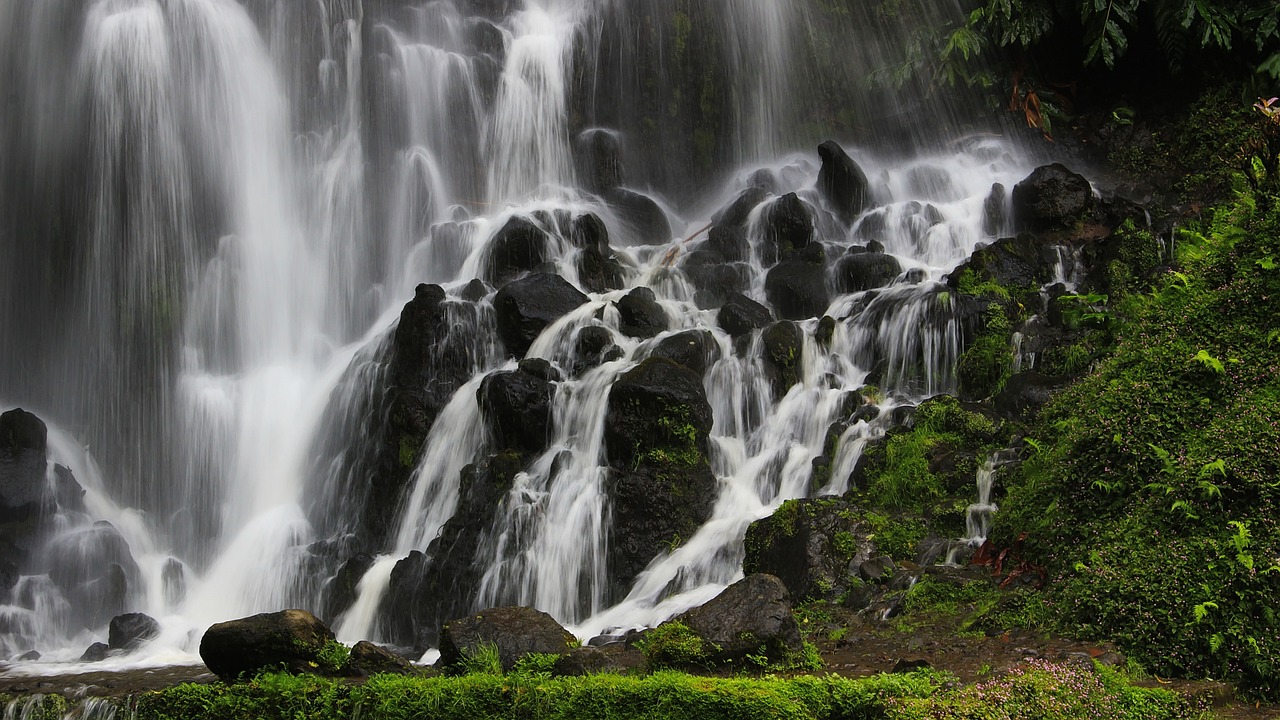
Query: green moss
<point x="408" y="450"/>
<point x="673" y="645"/>
<point x="896" y="537"/>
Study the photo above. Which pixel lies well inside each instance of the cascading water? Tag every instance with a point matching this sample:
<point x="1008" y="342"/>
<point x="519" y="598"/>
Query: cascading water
<point x="215" y="213"/>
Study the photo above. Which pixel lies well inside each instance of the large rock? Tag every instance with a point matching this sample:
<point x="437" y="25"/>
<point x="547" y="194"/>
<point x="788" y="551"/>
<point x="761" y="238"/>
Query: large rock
<point x="131" y="630"/>
<point x="527" y="306"/>
<point x="797" y="288"/>
<point x="343" y="588"/>
<point x="1022" y="262"/>
<point x="842" y="182"/>
<point x="640" y="314"/>
<point x="783" y="356"/>
<point x="23" y="462"/>
<point x="519" y="247"/>
<point x="371" y="659"/>
<point x="514" y="631"/>
<point x="657" y="405"/>
<point x="751" y="617"/>
<point x="856" y="272"/>
<point x="788" y="229"/>
<point x="812" y="545"/>
<point x="740" y="315"/>
<point x="1051" y="197"/>
<point x="593" y="347"/>
<point x="715" y="279"/>
<point x="599" y="159"/>
<point x="660" y="485"/>
<point x="737" y="213"/>
<point x="292" y="639"/>
<point x="694" y="349"/>
<point x="516" y="406"/>
<point x="643" y="220"/>
<point x="599" y="269"/>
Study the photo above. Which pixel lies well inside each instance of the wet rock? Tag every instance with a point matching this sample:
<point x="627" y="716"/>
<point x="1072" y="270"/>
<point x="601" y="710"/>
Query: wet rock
<point x="515" y="631"/>
<point x="930" y="182"/>
<point x="370" y="659"/>
<point x="729" y="243"/>
<point x="842" y="182"/>
<point x="1022" y="262"/>
<point x="96" y="652"/>
<point x="825" y="331"/>
<point x="1025" y="393"/>
<point x="660" y="483"/>
<point x="877" y="569"/>
<point x="95" y="568"/>
<point x="23" y="447"/>
<point x="587" y="660"/>
<point x="995" y="217"/>
<point x="645" y="222"/>
<point x="856" y="272"/>
<point x="797" y="289"/>
<point x="527" y="306"/>
<point x="67" y="491"/>
<point x="752" y="616"/>
<point x="788" y="229"/>
<point x="908" y="665"/>
<point x="474" y="291"/>
<point x="405" y="614"/>
<point x="599" y="156"/>
<point x="292" y="639"/>
<point x="783" y="355"/>
<point x="540" y="368"/>
<point x="736" y="213"/>
<point x="641" y="315"/>
<point x="343" y="588"/>
<point x="656" y="405"/>
<point x="714" y="279"/>
<point x="810" y="545"/>
<point x="599" y="269"/>
<point x="594" y="346"/>
<point x="131" y="630"/>
<point x="516" y="406"/>
<point x="29" y="656"/>
<point x="694" y="349"/>
<point x="740" y="315"/>
<point x="519" y="247"/>
<point x="1051" y="197"/>
<point x="485" y="37"/>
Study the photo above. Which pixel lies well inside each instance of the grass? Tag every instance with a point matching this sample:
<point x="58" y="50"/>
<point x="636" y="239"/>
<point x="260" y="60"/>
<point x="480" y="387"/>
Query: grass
<point x="1039" y="689"/>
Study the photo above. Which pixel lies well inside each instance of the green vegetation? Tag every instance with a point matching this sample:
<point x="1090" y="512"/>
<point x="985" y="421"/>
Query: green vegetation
<point x="332" y="657"/>
<point x="1154" y="496"/>
<point x="1038" y="690"/>
<point x="673" y="645"/>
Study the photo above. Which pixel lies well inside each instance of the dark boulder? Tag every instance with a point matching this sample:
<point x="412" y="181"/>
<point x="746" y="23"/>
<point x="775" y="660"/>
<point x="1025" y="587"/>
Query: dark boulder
<point x="516" y="406"/>
<point x="751" y="617"/>
<point x="599" y="269"/>
<point x="714" y="279"/>
<point x="292" y="639"/>
<point x="842" y="182"/>
<point x="640" y="314"/>
<point x="343" y="588"/>
<point x="740" y="315"/>
<point x="527" y="306"/>
<point x="736" y="213"/>
<point x="694" y="349"/>
<point x="788" y="229"/>
<point x="783" y="356"/>
<point x="1022" y="262"/>
<point x="131" y="630"/>
<point x="405" y="617"/>
<point x="729" y="243"/>
<point x="519" y="247"/>
<point x="656" y="405"/>
<point x="96" y="652"/>
<point x="995" y="215"/>
<point x="474" y="291"/>
<point x="644" y="221"/>
<point x="657" y="505"/>
<point x="1025" y="393"/>
<point x="797" y="289"/>
<point x="931" y="182"/>
<point x="587" y="660"/>
<point x="514" y="631"/>
<point x="370" y="659"/>
<point x="599" y="159"/>
<point x="94" y="566"/>
<point x="1051" y="198"/>
<point x="23" y="462"/>
<point x="856" y="272"/>
<point x="594" y="346"/>
<point x="811" y="545"/>
<point x="660" y="485"/>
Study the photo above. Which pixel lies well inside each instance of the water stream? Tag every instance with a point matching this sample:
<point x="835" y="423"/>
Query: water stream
<point x="214" y="212"/>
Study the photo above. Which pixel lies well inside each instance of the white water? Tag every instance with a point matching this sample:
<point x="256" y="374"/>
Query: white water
<point x="286" y="252"/>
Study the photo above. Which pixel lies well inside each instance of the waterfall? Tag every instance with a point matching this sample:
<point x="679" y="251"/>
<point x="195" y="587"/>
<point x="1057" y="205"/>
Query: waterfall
<point x="213" y="213"/>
